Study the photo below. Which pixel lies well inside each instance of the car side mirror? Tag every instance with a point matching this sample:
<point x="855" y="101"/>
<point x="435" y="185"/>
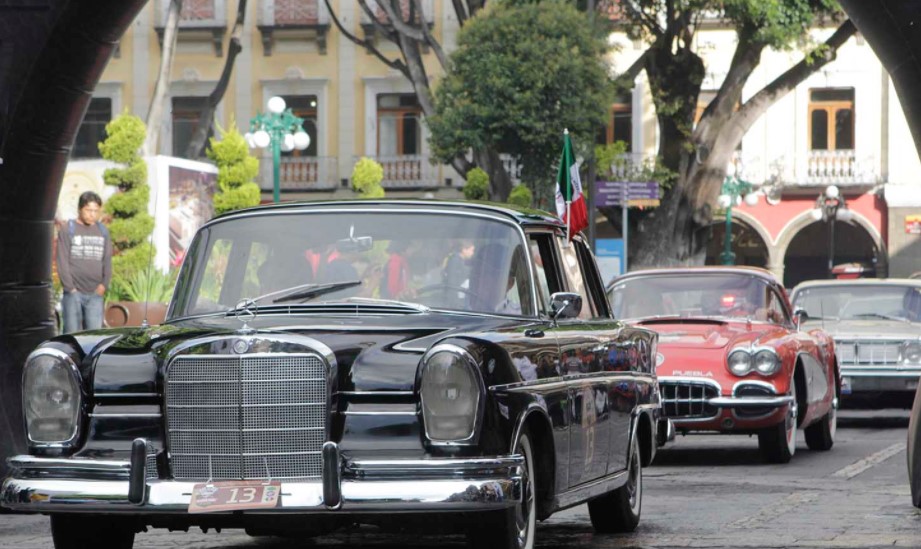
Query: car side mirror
<point x="799" y="316"/>
<point x="565" y="305"/>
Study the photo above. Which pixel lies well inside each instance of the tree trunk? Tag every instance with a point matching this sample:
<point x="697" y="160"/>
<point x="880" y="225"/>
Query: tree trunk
<point x="155" y="112"/>
<point x="206" y="119"/>
<point x="500" y="184"/>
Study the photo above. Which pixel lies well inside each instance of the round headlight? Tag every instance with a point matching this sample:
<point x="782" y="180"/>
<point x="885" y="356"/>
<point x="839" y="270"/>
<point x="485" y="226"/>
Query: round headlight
<point x="51" y="397"/>
<point x="450" y="393"/>
<point x="740" y="362"/>
<point x="766" y="362"/>
<point x="911" y="353"/>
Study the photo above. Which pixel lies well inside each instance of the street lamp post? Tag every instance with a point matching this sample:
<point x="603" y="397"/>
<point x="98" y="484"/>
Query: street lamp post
<point x="731" y="195"/>
<point x="280" y="129"/>
<point x="830" y="206"/>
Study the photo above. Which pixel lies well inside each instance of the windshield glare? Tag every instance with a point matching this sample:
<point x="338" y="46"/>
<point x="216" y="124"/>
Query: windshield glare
<point x="863" y="302"/>
<point x="709" y="295"/>
<point x="436" y="260"/>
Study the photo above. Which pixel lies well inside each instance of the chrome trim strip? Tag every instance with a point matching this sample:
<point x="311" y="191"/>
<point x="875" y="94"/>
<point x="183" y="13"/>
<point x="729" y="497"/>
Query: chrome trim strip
<point x="28" y="463"/>
<point x="95" y="415"/>
<point x="375" y="393"/>
<point x="751" y="402"/>
<point x="381" y="413"/>
<point x="126" y="395"/>
<point x="370" y="466"/>
<point x="589" y="490"/>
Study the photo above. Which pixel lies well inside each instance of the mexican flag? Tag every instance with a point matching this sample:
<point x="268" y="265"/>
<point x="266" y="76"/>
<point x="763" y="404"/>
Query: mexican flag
<point x="570" y="204"/>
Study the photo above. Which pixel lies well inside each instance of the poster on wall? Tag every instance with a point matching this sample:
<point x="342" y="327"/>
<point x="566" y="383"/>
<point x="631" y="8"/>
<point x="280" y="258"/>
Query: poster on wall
<point x="913" y="224"/>
<point x="190" y="206"/>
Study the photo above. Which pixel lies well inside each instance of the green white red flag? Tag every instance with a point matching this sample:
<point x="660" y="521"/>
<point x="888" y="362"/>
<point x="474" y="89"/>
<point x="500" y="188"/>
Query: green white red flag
<point x="570" y="203"/>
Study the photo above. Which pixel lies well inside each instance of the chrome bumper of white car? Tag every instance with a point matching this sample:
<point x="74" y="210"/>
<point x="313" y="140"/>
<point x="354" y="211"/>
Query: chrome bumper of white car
<point x="44" y="485"/>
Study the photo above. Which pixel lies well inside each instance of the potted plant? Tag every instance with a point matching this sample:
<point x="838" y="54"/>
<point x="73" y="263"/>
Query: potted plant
<point x="143" y="295"/>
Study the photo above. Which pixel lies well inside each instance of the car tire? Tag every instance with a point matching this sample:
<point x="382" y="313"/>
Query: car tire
<point x="516" y="527"/>
<point x="619" y="511"/>
<point x="820" y="436"/>
<point x="90" y="532"/>
<point x="778" y="443"/>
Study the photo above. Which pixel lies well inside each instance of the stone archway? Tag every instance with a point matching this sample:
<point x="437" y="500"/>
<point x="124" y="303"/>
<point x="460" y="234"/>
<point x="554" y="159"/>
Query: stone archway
<point x="804" y="247"/>
<point x="750" y="241"/>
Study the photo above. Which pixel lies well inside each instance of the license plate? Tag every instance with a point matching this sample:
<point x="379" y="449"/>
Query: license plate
<point x="234" y="496"/>
<point x="845" y="385"/>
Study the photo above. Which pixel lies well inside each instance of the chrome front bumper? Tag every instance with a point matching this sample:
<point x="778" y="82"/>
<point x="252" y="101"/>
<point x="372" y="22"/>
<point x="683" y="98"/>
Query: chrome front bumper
<point x="43" y="485"/>
<point x="751" y="402"/>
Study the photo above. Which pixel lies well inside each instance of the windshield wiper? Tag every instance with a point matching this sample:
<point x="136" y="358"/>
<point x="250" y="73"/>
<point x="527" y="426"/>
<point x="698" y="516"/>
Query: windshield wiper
<point x="880" y="315"/>
<point x="303" y="293"/>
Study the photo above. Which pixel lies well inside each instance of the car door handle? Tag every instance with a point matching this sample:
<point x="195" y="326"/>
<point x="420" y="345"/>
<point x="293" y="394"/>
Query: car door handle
<point x="534" y="333"/>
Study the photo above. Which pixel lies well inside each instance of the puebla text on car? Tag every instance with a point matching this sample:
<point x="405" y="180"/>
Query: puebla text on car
<point x="331" y="363"/>
<point x="876" y="325"/>
<point x="731" y="356"/>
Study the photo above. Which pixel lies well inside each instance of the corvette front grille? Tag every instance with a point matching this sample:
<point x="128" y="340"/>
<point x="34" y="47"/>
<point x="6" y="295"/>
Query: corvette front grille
<point x="247" y="416"/>
<point x="688" y="399"/>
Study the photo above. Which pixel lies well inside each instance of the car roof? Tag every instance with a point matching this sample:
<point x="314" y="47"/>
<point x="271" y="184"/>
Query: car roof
<point x="764" y="274"/>
<point x="916" y="283"/>
<point x="523" y="216"/>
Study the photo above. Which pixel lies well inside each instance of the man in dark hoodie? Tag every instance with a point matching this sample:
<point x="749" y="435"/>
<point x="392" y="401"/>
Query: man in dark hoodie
<point x="84" y="258"/>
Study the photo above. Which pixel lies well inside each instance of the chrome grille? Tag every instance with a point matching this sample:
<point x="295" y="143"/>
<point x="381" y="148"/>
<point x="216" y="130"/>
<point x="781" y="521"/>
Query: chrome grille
<point x="246" y="417"/>
<point x="868" y="352"/>
<point x="687" y="399"/>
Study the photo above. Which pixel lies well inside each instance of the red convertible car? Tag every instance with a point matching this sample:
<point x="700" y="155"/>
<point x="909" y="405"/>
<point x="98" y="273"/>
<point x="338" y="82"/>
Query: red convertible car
<point x="731" y="358"/>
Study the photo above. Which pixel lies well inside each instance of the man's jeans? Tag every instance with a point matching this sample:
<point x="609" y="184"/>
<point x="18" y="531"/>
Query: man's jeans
<point x="81" y="311"/>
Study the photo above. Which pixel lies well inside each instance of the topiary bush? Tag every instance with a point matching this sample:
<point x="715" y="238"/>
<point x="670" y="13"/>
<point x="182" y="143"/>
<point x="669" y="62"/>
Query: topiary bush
<point x="236" y="170"/>
<point x="477" y="186"/>
<point x="521" y="196"/>
<point x="366" y="178"/>
<point x="130" y="225"/>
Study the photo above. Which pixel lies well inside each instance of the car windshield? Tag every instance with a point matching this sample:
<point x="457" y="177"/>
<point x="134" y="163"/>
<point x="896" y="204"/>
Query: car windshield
<point x="684" y="295"/>
<point x="435" y="260"/>
<point x="871" y="301"/>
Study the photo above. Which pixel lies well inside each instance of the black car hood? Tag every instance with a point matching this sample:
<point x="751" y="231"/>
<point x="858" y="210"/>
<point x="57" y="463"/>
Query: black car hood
<point x="372" y="352"/>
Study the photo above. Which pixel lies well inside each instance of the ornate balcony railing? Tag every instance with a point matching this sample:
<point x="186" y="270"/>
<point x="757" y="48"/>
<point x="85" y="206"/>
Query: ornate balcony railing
<point x="300" y="173"/>
<point x="408" y="172"/>
<point x="828" y="167"/>
<point x="205" y="17"/>
<point x="298" y="19"/>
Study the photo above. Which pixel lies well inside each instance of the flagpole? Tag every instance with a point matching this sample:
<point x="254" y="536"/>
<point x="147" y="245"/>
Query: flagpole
<point x="568" y="192"/>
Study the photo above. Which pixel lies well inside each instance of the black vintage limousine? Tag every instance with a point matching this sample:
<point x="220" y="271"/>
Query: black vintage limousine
<point x="334" y="363"/>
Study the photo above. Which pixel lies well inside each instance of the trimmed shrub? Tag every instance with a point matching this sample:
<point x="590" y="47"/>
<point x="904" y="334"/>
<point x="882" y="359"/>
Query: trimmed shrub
<point x="521" y="196"/>
<point x="236" y="170"/>
<point x="477" y="186"/>
<point x="366" y="178"/>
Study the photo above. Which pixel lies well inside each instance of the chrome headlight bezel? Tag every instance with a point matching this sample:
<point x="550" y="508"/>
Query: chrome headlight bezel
<point x="76" y="387"/>
<point x="746" y="364"/>
<point x="907" y="348"/>
<point x="461" y="359"/>
<point x="774" y="365"/>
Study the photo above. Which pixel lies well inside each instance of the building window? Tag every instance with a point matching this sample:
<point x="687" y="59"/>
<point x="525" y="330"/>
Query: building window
<point x="399" y="131"/>
<point x="93" y="129"/>
<point x="304" y="106"/>
<point x="186" y="111"/>
<point x="831" y="119"/>
<point x="620" y="123"/>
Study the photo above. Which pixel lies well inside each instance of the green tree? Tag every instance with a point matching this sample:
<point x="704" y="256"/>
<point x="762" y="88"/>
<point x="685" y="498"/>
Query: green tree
<point x="236" y="170"/>
<point x="697" y="154"/>
<point x="366" y="178"/>
<point x="130" y="225"/>
<point x="477" y="186"/>
<point x="520" y="75"/>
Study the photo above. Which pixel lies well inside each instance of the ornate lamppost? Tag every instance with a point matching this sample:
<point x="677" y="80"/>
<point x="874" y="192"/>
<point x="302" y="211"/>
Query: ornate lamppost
<point x="731" y="194"/>
<point x="280" y="129"/>
<point x="830" y="206"/>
